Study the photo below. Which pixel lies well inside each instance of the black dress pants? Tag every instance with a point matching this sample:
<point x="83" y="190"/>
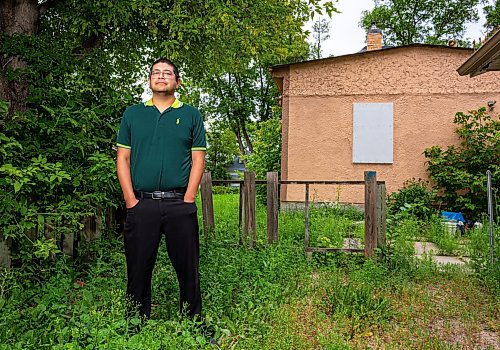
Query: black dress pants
<point x="146" y="223"/>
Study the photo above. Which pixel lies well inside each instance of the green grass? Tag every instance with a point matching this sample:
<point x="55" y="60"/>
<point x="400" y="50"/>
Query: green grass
<point x="269" y="297"/>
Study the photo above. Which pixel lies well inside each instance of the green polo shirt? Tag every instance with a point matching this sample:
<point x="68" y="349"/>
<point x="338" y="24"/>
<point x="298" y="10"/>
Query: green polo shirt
<point x="161" y="144"/>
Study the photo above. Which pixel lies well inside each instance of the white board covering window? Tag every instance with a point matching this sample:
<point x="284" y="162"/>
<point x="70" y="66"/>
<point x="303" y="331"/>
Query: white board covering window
<point x="373" y="136"/>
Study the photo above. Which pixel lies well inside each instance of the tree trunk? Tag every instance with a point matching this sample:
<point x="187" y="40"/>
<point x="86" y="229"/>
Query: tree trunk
<point x="240" y="141"/>
<point x="247" y="138"/>
<point x="18" y="17"/>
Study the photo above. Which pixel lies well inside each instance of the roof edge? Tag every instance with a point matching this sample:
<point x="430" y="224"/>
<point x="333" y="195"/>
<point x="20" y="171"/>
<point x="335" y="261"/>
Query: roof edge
<point x="488" y="50"/>
<point x="372" y="52"/>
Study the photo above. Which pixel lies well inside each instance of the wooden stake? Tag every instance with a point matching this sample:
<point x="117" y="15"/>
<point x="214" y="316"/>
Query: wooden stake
<point x="272" y="207"/>
<point x="207" y="205"/>
<point x="370" y="212"/>
<point x="382" y="216"/>
<point x="250" y="210"/>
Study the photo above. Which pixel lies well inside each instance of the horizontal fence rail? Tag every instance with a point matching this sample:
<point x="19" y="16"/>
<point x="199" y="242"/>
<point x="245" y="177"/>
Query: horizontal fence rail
<point x="375" y="209"/>
<point x="295" y="182"/>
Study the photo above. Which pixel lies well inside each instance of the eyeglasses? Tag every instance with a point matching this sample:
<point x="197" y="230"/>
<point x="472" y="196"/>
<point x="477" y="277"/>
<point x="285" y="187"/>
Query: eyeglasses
<point x="168" y="74"/>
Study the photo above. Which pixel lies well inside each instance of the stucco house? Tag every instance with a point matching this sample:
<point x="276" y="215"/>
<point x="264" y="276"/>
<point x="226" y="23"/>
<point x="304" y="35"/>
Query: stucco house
<point x="373" y="110"/>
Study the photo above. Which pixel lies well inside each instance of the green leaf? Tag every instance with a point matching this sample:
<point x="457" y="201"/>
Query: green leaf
<point x="17" y="186"/>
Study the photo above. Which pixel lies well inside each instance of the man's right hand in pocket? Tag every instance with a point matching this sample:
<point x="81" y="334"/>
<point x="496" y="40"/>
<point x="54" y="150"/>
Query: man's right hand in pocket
<point x="131" y="203"/>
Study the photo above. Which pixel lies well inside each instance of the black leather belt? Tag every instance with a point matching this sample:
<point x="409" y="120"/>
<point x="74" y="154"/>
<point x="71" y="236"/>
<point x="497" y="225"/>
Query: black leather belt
<point x="177" y="193"/>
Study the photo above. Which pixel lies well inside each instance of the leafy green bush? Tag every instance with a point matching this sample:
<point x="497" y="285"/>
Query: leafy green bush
<point x="415" y="198"/>
<point x="222" y="149"/>
<point x="461" y="171"/>
<point x="57" y="161"/>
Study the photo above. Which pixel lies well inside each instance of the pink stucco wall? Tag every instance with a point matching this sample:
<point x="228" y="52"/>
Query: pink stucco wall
<point x="318" y="97"/>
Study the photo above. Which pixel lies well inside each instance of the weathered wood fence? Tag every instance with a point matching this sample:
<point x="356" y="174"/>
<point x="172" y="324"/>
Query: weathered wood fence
<point x="375" y="215"/>
<point x="68" y="243"/>
<point x="375" y="209"/>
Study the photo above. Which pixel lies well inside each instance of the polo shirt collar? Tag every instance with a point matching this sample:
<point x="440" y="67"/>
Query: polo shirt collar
<point x="176" y="104"/>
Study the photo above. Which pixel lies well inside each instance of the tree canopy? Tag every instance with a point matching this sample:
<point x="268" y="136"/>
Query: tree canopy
<point x="492" y="13"/>
<point x="69" y="68"/>
<point x="421" y="21"/>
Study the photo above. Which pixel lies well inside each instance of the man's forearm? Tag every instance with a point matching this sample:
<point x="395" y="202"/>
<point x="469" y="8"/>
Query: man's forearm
<point x="124" y="177"/>
<point x="197" y="168"/>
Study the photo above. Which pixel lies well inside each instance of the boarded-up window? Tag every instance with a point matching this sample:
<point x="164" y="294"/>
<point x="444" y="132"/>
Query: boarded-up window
<point x="372" y="140"/>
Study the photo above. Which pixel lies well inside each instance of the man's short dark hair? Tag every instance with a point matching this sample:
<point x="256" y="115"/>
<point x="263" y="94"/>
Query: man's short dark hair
<point x="167" y="61"/>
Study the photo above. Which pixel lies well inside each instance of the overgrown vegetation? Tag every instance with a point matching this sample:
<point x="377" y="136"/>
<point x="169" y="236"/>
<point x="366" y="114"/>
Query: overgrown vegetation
<point x="461" y="171"/>
<point x="458" y="177"/>
<point x="270" y="297"/>
<point x="412" y="218"/>
<point x="69" y="69"/>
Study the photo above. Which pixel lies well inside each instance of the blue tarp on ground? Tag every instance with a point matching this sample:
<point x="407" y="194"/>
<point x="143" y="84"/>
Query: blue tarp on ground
<point x="451" y="216"/>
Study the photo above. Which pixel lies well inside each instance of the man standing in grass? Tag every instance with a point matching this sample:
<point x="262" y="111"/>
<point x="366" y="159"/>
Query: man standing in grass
<point x="160" y="162"/>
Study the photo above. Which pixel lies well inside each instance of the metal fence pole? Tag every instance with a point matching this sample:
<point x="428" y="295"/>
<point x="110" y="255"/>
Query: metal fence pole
<point x="490" y="214"/>
<point x="306" y="223"/>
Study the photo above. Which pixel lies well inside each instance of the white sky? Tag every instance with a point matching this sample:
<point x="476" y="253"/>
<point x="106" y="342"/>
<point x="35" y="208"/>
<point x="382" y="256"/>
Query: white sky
<point x="347" y="37"/>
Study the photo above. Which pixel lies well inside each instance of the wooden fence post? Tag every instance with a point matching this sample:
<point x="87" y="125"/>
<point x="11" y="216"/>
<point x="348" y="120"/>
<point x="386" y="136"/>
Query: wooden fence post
<point x="272" y="207"/>
<point x="46" y="225"/>
<point x="241" y="213"/>
<point x="370" y="212"/>
<point x="110" y="218"/>
<point x="68" y="244"/>
<point x="5" y="257"/>
<point x="382" y="216"/>
<point x="249" y="206"/>
<point x="92" y="228"/>
<point x="207" y="204"/>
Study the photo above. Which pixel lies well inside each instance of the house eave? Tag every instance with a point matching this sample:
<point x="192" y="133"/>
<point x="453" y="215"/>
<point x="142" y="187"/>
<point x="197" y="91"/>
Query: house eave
<point x="485" y="59"/>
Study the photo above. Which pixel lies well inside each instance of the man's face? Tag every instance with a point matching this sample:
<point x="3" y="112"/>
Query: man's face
<point x="162" y="79"/>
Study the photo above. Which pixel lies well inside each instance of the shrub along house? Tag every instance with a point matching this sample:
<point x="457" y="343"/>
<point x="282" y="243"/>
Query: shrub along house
<point x="373" y="110"/>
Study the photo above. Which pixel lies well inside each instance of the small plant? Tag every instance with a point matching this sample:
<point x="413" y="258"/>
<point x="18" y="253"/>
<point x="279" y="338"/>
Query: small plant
<point x="415" y="197"/>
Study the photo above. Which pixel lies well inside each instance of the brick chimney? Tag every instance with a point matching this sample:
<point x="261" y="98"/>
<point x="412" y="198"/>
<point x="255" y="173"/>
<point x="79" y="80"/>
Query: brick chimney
<point x="374" y="38"/>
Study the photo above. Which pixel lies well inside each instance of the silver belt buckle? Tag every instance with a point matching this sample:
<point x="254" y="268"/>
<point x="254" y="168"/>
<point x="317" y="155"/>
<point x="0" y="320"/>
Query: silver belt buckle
<point x="157" y="195"/>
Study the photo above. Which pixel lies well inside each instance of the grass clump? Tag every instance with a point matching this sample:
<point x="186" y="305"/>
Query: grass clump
<point x="357" y="307"/>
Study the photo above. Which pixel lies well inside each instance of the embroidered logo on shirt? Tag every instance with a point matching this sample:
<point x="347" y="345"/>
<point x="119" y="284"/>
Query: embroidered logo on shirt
<point x="178" y="121"/>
